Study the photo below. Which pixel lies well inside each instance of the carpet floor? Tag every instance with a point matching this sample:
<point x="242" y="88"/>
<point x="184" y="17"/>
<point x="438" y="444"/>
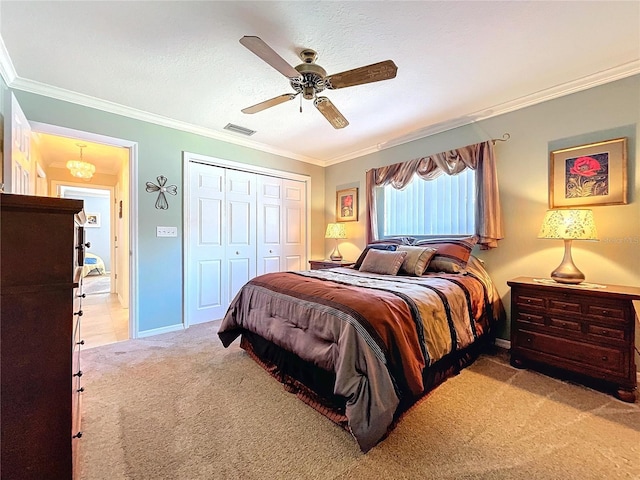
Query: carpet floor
<point x="180" y="406"/>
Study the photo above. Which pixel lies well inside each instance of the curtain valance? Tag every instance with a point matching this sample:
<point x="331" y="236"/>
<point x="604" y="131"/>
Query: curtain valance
<point x="478" y="157"/>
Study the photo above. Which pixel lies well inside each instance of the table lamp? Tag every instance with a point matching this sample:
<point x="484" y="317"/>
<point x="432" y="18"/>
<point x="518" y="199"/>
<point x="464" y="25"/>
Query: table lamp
<point x="336" y="231"/>
<point x="568" y="225"/>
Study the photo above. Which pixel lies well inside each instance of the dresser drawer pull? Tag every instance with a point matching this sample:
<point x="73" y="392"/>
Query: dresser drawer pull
<point x="564" y="324"/>
<point x="79" y="374"/>
<point x="604" y="358"/>
<point x="77" y="435"/>
<point x="81" y="342"/>
<point x="78" y="313"/>
<point x="529" y="339"/>
<point x="604" y="332"/>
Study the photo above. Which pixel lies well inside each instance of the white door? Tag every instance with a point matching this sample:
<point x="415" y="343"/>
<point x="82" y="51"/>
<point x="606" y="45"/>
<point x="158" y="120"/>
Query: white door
<point x="19" y="170"/>
<point x="294" y="225"/>
<point x="240" y="230"/>
<point x="206" y="295"/>
<point x="270" y="225"/>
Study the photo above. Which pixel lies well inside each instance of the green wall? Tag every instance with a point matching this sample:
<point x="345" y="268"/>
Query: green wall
<point x="159" y="294"/>
<point x="601" y="113"/>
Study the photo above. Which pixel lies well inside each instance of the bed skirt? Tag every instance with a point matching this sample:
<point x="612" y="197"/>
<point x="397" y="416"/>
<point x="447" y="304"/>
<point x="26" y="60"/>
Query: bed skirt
<point x="314" y="385"/>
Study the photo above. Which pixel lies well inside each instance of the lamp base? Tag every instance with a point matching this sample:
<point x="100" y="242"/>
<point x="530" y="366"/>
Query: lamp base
<point x="567" y="272"/>
<point x="336" y="256"/>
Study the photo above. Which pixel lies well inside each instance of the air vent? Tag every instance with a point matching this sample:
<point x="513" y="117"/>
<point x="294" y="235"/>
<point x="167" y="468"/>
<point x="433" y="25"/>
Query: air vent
<point x="238" y="129"/>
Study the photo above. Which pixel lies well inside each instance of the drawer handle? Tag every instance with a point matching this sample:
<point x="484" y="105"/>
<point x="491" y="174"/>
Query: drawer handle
<point x="78" y="313"/>
<point x="80" y="390"/>
<point x="605" y="312"/>
<point x="564" y="324"/>
<point x="529" y="317"/>
<point x="528" y="300"/>
<point x="81" y="342"/>
<point x="77" y="435"/>
<point x="79" y="374"/>
<point x="604" y="332"/>
<point x="529" y="340"/>
<point x="604" y="358"/>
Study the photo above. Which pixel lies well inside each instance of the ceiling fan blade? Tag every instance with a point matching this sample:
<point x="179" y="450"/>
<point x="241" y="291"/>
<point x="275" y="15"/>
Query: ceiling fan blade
<point x="258" y="107"/>
<point x="330" y="112"/>
<point x="358" y="76"/>
<point x="266" y="53"/>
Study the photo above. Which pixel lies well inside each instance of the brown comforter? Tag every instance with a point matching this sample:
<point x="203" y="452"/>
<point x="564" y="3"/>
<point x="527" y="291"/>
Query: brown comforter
<point x="377" y="333"/>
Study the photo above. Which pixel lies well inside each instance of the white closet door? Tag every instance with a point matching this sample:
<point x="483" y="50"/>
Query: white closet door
<point x="269" y="247"/>
<point x="294" y="207"/>
<point x="240" y="230"/>
<point x="207" y="297"/>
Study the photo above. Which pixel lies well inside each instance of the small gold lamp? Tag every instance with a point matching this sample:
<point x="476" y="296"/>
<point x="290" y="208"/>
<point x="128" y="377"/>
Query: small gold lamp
<point x="568" y="225"/>
<point x="336" y="230"/>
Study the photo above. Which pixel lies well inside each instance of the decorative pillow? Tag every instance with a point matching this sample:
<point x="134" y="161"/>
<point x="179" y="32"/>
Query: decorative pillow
<point x="452" y="254"/>
<point x="377" y="246"/>
<point x="417" y="259"/>
<point x="385" y="262"/>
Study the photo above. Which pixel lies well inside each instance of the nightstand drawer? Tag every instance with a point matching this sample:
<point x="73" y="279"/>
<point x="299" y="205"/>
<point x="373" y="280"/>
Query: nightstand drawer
<point x="605" y="332"/>
<point x="565" y="324"/>
<point x="529" y="301"/>
<point x="602" y="358"/>
<point x="564" y="305"/>
<point x="605" y="312"/>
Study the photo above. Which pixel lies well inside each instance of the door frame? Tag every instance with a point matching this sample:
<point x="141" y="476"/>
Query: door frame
<point x="187" y="159"/>
<point x="133" y="202"/>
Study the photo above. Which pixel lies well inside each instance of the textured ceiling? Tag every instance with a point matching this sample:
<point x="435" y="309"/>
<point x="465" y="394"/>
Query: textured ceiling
<point x="181" y="61"/>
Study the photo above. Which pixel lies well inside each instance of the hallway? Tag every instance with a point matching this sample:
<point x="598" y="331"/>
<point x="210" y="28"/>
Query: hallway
<point x="104" y="321"/>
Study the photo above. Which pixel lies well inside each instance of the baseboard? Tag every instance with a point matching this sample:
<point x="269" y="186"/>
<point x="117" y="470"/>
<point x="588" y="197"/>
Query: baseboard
<point x="158" y="331"/>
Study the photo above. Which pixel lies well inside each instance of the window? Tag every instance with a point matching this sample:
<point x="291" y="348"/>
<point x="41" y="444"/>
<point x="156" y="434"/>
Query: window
<point x="443" y="206"/>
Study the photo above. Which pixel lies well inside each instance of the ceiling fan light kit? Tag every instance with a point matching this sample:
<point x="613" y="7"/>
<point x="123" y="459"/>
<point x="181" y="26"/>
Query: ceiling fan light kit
<point x="309" y="79"/>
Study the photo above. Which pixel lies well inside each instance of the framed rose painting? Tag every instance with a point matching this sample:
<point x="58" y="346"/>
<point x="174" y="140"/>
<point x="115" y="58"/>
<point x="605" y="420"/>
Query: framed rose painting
<point x="594" y="174"/>
<point x="347" y="205"/>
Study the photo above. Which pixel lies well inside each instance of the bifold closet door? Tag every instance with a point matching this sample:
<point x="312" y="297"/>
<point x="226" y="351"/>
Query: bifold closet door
<point x="207" y="297"/>
<point x="281" y="225"/>
<point x="294" y="226"/>
<point x="240" y="229"/>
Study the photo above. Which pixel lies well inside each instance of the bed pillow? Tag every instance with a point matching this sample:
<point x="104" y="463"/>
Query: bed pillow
<point x="417" y="259"/>
<point x="385" y="262"/>
<point x="452" y="254"/>
<point x="376" y="246"/>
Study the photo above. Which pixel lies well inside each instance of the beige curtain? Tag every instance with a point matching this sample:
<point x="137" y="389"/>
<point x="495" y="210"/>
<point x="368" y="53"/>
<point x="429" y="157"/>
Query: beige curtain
<point x="478" y="157"/>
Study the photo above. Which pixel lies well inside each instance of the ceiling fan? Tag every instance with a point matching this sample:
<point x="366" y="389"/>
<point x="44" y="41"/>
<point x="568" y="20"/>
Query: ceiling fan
<point x="309" y="79"/>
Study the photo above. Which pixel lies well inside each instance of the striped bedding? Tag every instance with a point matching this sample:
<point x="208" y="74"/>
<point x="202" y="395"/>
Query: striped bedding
<point x="379" y="334"/>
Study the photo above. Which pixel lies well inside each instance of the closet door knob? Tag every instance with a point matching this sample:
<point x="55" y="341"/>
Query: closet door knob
<point x="84" y="295"/>
<point x="81" y="342"/>
<point x="79" y="374"/>
<point x="78" y="313"/>
<point x="88" y="244"/>
<point x="80" y="390"/>
<point x="77" y="435"/>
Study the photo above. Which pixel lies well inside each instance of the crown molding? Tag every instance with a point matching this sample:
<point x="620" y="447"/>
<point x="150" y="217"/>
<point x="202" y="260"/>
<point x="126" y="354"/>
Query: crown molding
<point x="600" y="78"/>
<point x="7" y="69"/>
<point x="12" y="80"/>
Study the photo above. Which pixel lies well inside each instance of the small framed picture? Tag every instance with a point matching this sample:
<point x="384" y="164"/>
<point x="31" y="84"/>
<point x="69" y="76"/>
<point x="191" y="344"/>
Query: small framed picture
<point x="594" y="174"/>
<point x="347" y="205"/>
<point x="93" y="220"/>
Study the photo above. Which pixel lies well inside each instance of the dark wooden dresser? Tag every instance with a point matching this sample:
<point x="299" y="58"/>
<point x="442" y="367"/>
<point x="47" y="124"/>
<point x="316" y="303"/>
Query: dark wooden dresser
<point x="38" y="260"/>
<point x="587" y="333"/>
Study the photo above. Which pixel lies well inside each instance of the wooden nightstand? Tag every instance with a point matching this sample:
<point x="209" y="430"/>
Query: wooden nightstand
<point x="324" y="264"/>
<point x="588" y="333"/>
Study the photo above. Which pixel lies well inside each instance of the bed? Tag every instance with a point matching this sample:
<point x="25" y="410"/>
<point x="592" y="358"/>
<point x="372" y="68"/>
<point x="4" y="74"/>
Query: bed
<point x="361" y="346"/>
<point x="93" y="264"/>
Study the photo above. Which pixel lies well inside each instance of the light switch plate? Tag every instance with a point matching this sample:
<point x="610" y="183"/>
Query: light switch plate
<point x="166" y="231"/>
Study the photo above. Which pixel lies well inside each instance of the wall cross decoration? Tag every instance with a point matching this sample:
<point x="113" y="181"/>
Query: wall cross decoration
<point x="161" y="202"/>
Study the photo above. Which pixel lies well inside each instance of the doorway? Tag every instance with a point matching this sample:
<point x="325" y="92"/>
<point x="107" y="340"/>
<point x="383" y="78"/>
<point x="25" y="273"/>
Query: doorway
<point x="111" y="309"/>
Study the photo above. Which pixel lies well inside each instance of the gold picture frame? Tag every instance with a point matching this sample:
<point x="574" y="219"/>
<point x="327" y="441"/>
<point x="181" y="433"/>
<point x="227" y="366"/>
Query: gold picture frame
<point x="347" y="205"/>
<point x="589" y="175"/>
